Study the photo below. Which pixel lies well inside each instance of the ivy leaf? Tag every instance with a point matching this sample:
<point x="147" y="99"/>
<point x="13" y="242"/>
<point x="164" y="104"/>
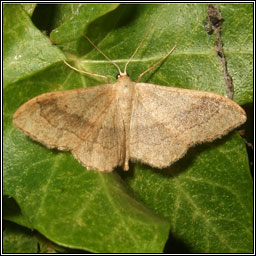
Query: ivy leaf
<point x="80" y="15"/>
<point x="29" y="8"/>
<point x="204" y="200"/>
<point x="12" y="212"/>
<point x="85" y="209"/>
<point x="18" y="240"/>
<point x="22" y="44"/>
<point x="207" y="196"/>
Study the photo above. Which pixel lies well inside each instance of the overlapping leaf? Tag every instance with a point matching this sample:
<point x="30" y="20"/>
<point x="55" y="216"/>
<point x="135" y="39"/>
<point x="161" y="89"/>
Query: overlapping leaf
<point x="206" y="198"/>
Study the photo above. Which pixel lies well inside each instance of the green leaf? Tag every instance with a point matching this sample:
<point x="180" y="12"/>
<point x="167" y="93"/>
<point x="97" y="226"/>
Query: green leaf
<point x="12" y="212"/>
<point x="18" y="240"/>
<point x="29" y="8"/>
<point x="26" y="50"/>
<point x="206" y="198"/>
<point x="77" y="16"/>
<point x="84" y="209"/>
<point x="237" y="34"/>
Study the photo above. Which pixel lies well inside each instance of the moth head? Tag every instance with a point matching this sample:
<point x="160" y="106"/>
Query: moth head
<point x="121" y="75"/>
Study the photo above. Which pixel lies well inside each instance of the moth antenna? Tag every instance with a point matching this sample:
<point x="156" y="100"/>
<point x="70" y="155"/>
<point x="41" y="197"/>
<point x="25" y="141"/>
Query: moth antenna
<point x="140" y="44"/>
<point x="153" y="66"/>
<point x="99" y="50"/>
<point x="86" y="72"/>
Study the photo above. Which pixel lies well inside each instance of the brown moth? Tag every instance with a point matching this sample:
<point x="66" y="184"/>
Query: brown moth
<point x="107" y="125"/>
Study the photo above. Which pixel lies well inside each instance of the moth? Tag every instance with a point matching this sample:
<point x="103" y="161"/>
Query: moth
<point x="107" y="125"/>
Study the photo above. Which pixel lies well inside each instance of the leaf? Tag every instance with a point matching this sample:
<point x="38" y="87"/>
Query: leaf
<point x="207" y="196"/>
<point x="80" y="15"/>
<point x="22" y="44"/>
<point x="29" y="8"/>
<point x="207" y="202"/>
<point x="238" y="36"/>
<point x="12" y="212"/>
<point x="85" y="209"/>
<point x="18" y="240"/>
